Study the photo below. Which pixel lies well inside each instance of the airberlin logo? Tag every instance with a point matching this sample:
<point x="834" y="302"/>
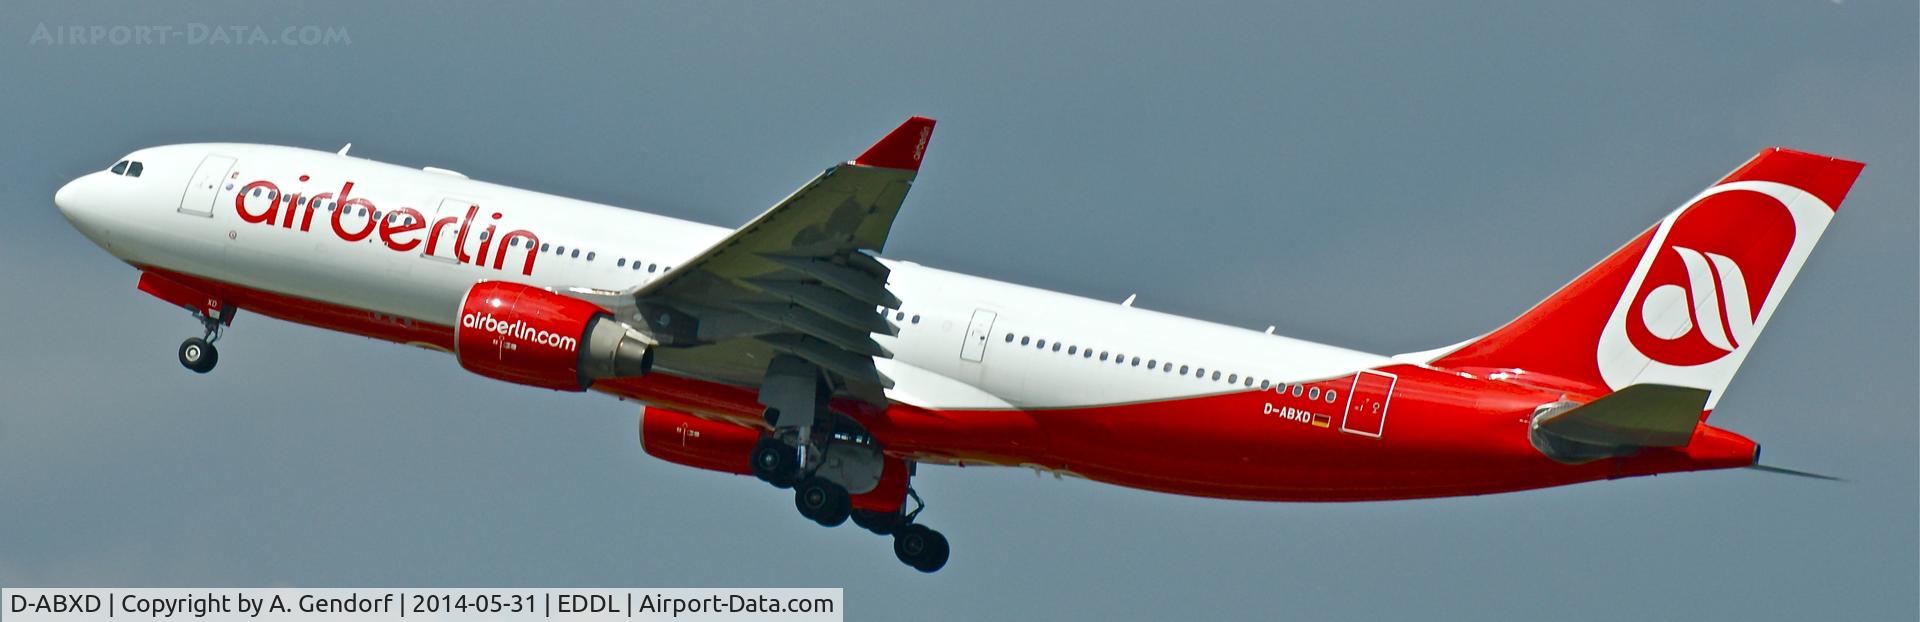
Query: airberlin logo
<point x="518" y="329"/>
<point x="1704" y="290"/>
<point x="1721" y="311"/>
<point x="401" y="229"/>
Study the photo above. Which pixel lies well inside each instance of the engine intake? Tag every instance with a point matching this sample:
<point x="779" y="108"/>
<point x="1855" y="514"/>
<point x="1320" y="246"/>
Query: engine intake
<point x="527" y="335"/>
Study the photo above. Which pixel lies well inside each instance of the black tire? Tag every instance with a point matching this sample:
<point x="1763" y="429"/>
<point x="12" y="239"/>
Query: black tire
<point x="198" y="355"/>
<point x="822" y="501"/>
<point x="921" y="548"/>
<point x="774" y="462"/>
<point x="882" y="523"/>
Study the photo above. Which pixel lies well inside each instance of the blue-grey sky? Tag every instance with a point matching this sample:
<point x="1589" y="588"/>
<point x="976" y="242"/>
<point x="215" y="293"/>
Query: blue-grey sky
<point x="1386" y="176"/>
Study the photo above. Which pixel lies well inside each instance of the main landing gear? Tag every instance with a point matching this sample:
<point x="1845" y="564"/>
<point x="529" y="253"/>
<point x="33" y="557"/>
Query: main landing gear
<point x="827" y="459"/>
<point x="198" y="354"/>
<point x="828" y="503"/>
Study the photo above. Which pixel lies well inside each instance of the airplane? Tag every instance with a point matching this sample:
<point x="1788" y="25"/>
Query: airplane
<point x="789" y="349"/>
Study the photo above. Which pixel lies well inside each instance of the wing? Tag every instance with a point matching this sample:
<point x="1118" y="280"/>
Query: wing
<point x="800" y="279"/>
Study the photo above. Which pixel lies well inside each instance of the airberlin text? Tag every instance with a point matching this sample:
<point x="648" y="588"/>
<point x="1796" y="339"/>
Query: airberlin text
<point x="518" y="329"/>
<point x="356" y="219"/>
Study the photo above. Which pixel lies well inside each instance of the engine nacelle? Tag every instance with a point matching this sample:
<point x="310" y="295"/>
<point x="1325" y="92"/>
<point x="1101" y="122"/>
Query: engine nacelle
<point x="687" y="440"/>
<point x="527" y="335"/>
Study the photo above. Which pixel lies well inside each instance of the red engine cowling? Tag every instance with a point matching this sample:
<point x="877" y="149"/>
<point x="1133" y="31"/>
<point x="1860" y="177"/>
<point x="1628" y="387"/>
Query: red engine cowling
<point x="687" y="440"/>
<point x="527" y="335"/>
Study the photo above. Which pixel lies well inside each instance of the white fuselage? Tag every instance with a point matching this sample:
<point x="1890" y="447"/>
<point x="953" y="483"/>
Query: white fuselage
<point x="1089" y="357"/>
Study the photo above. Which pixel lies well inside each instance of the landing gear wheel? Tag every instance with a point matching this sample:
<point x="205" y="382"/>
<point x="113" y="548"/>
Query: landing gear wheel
<point x="198" y="355"/>
<point x="922" y="548"/>
<point x="882" y="523"/>
<point x="822" y="501"/>
<point x="775" y="463"/>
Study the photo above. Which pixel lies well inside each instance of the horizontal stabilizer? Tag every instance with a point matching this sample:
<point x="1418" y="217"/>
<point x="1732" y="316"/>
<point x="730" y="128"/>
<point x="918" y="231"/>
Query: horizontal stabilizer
<point x="1641" y="415"/>
<point x="1794" y="472"/>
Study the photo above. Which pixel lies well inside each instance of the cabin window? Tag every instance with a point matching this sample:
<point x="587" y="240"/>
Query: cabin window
<point x="1332" y="395"/>
<point x="1297" y="390"/>
<point x="1216" y="375"/>
<point x="1072" y="350"/>
<point x="1042" y="344"/>
<point x="1183" y="370"/>
<point x="1103" y="356"/>
<point x="651" y="266"/>
<point x="1009" y="337"/>
<point x="916" y="320"/>
<point x="1264" y="384"/>
<point x="1152" y="364"/>
<point x="1313" y="393"/>
<point x="1056" y="344"/>
<point x="1026" y="340"/>
<point x="622" y="263"/>
<point x="589" y="255"/>
<point x="1233" y="378"/>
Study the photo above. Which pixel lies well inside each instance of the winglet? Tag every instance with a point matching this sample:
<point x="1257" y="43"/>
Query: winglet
<point x="902" y="148"/>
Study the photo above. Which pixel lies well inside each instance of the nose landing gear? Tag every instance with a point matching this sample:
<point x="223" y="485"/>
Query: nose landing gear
<point x="198" y="354"/>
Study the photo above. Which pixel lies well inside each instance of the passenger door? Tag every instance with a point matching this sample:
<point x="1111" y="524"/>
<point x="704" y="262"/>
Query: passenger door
<point x="443" y="235"/>
<point x="205" y="185"/>
<point x="973" y="349"/>
<point x="1367" y="402"/>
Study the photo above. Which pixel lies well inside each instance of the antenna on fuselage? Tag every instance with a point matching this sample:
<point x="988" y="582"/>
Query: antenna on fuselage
<point x="1129" y="301"/>
<point x="343" y="150"/>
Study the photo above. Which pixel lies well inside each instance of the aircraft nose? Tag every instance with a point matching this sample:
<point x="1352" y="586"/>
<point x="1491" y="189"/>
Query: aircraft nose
<point x="81" y="203"/>
<point x="65" y="197"/>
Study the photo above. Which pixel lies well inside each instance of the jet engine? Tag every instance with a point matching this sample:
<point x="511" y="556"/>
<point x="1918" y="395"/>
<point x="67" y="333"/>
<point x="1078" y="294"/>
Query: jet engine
<point x="687" y="440"/>
<point x="527" y="335"/>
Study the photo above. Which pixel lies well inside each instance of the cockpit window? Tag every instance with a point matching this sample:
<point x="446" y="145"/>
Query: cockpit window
<point x="128" y="168"/>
